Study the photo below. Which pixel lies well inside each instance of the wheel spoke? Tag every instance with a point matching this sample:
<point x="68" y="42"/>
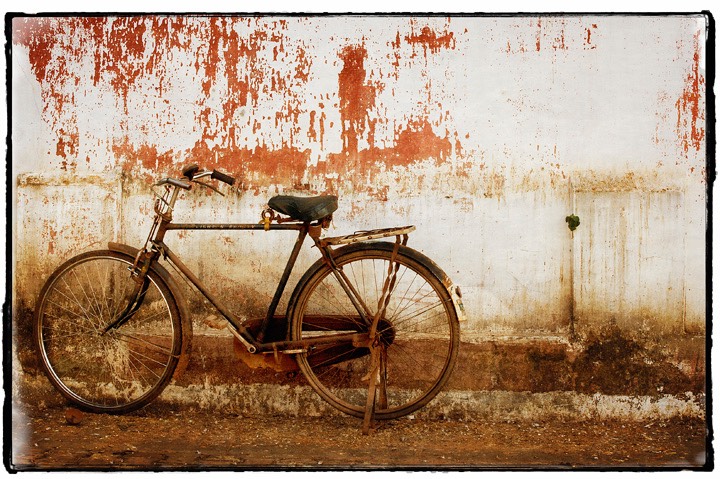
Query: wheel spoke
<point x="158" y="347"/>
<point x="84" y="316"/>
<point x="84" y="329"/>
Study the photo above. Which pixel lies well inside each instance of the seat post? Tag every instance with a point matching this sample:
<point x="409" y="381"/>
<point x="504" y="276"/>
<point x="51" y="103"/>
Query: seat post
<point x="283" y="282"/>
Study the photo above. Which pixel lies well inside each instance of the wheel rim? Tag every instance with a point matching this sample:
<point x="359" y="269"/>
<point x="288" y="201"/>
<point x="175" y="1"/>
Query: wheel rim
<point x="113" y="370"/>
<point x="417" y="334"/>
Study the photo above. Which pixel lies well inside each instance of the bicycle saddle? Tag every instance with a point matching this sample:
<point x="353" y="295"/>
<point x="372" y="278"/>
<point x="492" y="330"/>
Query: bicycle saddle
<point x="304" y="208"/>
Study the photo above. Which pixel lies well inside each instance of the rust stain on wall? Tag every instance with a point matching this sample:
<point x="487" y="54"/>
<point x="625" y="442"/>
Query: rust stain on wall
<point x="124" y="54"/>
<point x="690" y="111"/>
<point x="66" y="146"/>
<point x="126" y="49"/>
<point x="284" y="163"/>
<point x="559" y="41"/>
<point x="243" y="73"/>
<point x="50" y="236"/>
<point x="256" y="167"/>
<point x="252" y="112"/>
<point x="414" y="139"/>
<point x="41" y="36"/>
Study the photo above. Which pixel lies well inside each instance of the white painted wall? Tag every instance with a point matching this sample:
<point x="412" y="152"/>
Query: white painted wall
<point x="530" y="118"/>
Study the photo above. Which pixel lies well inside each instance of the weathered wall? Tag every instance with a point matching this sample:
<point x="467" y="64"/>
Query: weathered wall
<point x="484" y="132"/>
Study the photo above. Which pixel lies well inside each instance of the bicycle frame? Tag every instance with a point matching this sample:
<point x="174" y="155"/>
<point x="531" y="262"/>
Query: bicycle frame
<point x="163" y="224"/>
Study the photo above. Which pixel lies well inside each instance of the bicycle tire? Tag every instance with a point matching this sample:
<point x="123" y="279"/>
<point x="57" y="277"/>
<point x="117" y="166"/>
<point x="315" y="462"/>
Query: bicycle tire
<point x="420" y="354"/>
<point x="123" y="369"/>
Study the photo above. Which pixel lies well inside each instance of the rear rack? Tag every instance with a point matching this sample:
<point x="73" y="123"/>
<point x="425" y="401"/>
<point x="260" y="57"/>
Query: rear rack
<point x="359" y="236"/>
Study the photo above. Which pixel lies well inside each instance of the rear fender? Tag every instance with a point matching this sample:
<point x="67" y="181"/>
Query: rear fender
<point x="452" y="289"/>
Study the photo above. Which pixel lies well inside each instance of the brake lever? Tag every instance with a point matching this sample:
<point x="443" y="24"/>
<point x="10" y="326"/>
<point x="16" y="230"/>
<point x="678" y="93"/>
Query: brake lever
<point x="209" y="186"/>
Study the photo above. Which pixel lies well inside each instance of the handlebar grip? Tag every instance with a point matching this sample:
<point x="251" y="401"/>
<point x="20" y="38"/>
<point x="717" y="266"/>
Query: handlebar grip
<point x="217" y="175"/>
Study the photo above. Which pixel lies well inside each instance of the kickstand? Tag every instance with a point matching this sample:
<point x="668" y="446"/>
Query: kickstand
<point x="377" y="384"/>
<point x="369" y="419"/>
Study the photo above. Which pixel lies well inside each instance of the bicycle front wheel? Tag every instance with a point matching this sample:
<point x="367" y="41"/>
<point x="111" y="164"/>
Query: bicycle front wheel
<point x="113" y="371"/>
<point x="418" y="331"/>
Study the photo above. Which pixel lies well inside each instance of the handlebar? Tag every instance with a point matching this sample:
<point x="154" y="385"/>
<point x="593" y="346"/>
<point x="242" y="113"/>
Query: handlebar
<point x="172" y="181"/>
<point x="193" y="173"/>
<point x="165" y="203"/>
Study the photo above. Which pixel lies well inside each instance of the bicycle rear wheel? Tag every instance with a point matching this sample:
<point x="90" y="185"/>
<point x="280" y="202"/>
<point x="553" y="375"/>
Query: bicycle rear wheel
<point x="119" y="370"/>
<point x="418" y="333"/>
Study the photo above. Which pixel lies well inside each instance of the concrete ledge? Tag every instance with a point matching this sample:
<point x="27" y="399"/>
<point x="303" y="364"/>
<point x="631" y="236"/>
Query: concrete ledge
<point x="258" y="399"/>
<point x="302" y="401"/>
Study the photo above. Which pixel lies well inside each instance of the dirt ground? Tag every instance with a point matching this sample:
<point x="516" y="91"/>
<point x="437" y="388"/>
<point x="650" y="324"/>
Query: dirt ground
<point x="179" y="438"/>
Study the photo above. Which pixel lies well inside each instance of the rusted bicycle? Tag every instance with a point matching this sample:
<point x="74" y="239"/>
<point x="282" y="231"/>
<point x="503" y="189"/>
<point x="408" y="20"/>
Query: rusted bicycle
<point x="373" y="325"/>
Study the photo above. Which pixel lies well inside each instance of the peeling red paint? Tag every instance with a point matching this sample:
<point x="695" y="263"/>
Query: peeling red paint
<point x="416" y="142"/>
<point x="431" y="40"/>
<point x="302" y="70"/>
<point x="67" y="145"/>
<point x="213" y="55"/>
<point x="276" y="165"/>
<point x="312" y="133"/>
<point x="395" y="44"/>
<point x="242" y="85"/>
<point x="125" y="41"/>
<point x="557" y="35"/>
<point x="356" y="96"/>
<point x="559" y="42"/>
<point x="125" y="49"/>
<point x="690" y="109"/>
<point x="50" y="234"/>
<point x="147" y="155"/>
<point x="321" y="123"/>
<point x="39" y="35"/>
<point x="237" y="88"/>
<point x="255" y="167"/>
<point x="588" y="37"/>
<point x="413" y="142"/>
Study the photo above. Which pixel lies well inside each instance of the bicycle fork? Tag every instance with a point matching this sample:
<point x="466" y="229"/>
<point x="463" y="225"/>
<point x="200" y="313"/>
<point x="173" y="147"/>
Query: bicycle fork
<point x="138" y="273"/>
